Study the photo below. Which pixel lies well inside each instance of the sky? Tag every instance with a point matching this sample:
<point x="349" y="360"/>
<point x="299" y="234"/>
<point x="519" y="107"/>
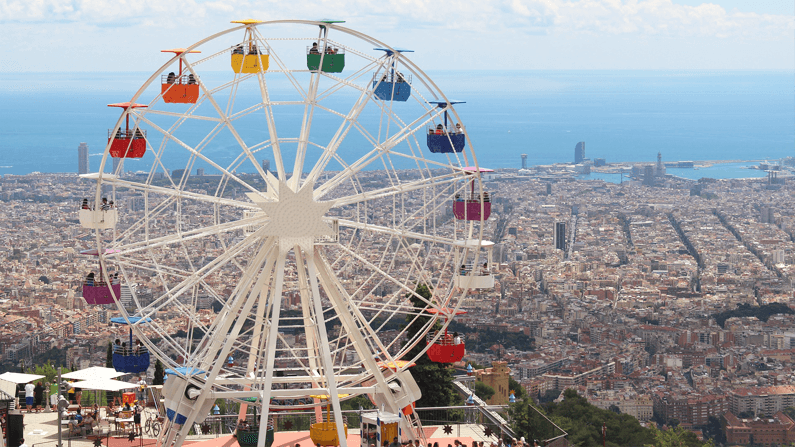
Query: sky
<point x="127" y="35"/>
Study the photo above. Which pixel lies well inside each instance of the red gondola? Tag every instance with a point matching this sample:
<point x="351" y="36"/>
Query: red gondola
<point x="447" y="348"/>
<point x="127" y="143"/>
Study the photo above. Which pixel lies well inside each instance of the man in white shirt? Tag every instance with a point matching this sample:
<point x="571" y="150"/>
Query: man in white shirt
<point x="29" y="396"/>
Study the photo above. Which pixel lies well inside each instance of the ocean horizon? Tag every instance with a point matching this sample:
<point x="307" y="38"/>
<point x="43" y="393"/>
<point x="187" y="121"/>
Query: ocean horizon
<point x="622" y="115"/>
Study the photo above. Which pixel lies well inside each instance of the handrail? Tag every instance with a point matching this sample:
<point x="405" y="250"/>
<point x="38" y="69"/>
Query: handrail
<point x="128" y="134"/>
<point x="447" y="340"/>
<point x="328" y="50"/>
<point x="432" y="130"/>
<point x="171" y="78"/>
<point x="252" y="50"/>
<point x="390" y="77"/>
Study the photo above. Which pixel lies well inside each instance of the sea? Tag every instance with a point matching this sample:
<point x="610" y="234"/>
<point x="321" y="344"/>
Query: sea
<point x="623" y="116"/>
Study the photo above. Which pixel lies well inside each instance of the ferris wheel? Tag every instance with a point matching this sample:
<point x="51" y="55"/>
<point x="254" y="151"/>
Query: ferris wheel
<point x="280" y="190"/>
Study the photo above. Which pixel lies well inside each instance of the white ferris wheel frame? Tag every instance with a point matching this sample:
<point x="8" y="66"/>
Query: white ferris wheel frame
<point x="266" y="274"/>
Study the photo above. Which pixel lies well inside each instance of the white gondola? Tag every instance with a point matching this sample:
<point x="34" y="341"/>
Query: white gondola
<point x="471" y="276"/>
<point x="98" y="219"/>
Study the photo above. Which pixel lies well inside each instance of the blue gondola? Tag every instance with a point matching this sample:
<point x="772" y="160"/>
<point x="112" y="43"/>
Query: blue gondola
<point x="392" y="84"/>
<point x="446" y="139"/>
<point x="128" y="359"/>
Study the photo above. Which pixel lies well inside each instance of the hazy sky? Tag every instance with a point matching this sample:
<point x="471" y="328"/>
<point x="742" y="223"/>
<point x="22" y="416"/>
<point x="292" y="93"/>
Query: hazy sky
<point x="126" y="35"/>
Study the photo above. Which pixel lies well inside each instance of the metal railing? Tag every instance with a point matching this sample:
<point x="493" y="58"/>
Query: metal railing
<point x="171" y="78"/>
<point x="250" y="50"/>
<point x="327" y="50"/>
<point x="120" y="134"/>
<point x="393" y="77"/>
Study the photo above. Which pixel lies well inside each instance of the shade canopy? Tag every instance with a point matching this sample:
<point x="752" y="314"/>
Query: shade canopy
<point x="93" y="373"/>
<point x="121" y="320"/>
<point x="19" y="377"/>
<point x="104" y="385"/>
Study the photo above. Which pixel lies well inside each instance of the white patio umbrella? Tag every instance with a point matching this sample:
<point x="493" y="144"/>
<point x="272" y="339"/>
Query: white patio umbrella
<point x="19" y="377"/>
<point x="93" y="373"/>
<point x="104" y="385"/>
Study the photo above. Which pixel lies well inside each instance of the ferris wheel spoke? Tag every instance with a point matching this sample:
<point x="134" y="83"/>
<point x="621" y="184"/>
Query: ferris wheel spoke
<point x="206" y="159"/>
<point x="319" y="268"/>
<point x="401" y="285"/>
<point x="184" y="236"/>
<point x="355" y="168"/>
<point x="396" y="232"/>
<point x="271" y="120"/>
<point x="348" y="123"/>
<point x="441" y="181"/>
<point x="226" y="120"/>
<point x="178" y="193"/>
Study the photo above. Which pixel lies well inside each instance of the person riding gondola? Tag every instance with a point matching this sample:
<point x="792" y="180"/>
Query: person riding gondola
<point x="171" y="78"/>
<point x="90" y="279"/>
<point x="314" y="49"/>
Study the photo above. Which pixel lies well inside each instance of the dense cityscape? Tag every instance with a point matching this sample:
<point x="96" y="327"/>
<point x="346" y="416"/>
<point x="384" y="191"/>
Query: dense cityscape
<point x="662" y="298"/>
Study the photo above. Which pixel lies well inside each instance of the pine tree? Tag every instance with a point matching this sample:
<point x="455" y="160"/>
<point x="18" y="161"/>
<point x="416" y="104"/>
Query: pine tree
<point x="109" y="355"/>
<point x="159" y="373"/>
<point x="435" y="380"/>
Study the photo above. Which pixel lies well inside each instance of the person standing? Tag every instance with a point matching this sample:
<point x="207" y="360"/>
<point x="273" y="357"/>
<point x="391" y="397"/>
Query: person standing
<point x="141" y="391"/>
<point x="38" y="396"/>
<point x="29" y="390"/>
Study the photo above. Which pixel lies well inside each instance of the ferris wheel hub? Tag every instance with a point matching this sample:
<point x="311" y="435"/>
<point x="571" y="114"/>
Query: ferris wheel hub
<point x="295" y="218"/>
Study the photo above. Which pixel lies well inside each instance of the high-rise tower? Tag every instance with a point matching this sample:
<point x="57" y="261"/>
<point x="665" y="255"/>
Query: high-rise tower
<point x="560" y="235"/>
<point x="82" y="159"/>
<point x="524" y="161"/>
<point x="266" y="165"/>
<point x="579" y="152"/>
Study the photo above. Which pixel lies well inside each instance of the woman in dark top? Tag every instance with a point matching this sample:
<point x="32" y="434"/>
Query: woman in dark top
<point x="38" y="396"/>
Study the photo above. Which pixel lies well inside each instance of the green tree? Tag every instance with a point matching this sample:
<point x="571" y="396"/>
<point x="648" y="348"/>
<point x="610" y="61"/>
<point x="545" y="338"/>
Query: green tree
<point x="483" y="390"/>
<point x="584" y="423"/>
<point x="675" y="437"/>
<point x="518" y="390"/>
<point x="109" y="356"/>
<point x="159" y="373"/>
<point x="435" y="380"/>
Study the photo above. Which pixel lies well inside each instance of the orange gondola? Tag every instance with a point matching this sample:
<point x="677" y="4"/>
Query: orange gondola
<point x="179" y="88"/>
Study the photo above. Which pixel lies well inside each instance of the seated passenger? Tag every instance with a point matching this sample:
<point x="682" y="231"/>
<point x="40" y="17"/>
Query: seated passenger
<point x="329" y="50"/>
<point x="486" y="197"/>
<point x="314" y="49"/>
<point x="400" y="78"/>
<point x="439" y="129"/>
<point x="90" y="279"/>
<point x="115" y="279"/>
<point x="253" y="50"/>
<point x="458" y="128"/>
<point x="125" y="353"/>
<point x="84" y="205"/>
<point x="238" y="50"/>
<point x="117" y="346"/>
<point x="104" y="206"/>
<point x="171" y="78"/>
<point x="119" y="134"/>
<point x="463" y="270"/>
<point x="458" y="198"/>
<point x="138" y="133"/>
<point x="485" y="270"/>
<point x="456" y="338"/>
<point x="191" y="79"/>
